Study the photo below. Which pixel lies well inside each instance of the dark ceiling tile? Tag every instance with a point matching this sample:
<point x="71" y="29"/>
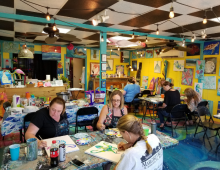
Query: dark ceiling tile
<point x="209" y="14"/>
<point x="28" y="13"/>
<point x="6" y="38"/>
<point x="214" y="35"/>
<point x="100" y="24"/>
<point x="23" y="35"/>
<point x="6" y="25"/>
<point x="152" y="3"/>
<point x="7" y="3"/>
<point x="193" y="27"/>
<point x="148" y="18"/>
<point x="78" y="44"/>
<point x="91" y="8"/>
<point x="84" y="29"/>
<point x="95" y="43"/>
<point x="95" y="37"/>
<point x="64" y="41"/>
<point x="30" y="22"/>
<point x="135" y="40"/>
<point x="38" y="41"/>
<point x="143" y="30"/>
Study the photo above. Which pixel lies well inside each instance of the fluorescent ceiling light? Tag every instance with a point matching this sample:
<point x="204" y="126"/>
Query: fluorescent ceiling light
<point x="121" y="38"/>
<point x="61" y="30"/>
<point x="215" y="19"/>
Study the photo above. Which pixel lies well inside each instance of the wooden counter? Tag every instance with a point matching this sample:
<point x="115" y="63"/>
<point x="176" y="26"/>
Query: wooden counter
<point x="36" y="91"/>
<point x="116" y="82"/>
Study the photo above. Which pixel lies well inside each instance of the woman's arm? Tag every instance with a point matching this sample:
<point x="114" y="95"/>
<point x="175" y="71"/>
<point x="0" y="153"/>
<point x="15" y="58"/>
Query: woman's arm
<point x="124" y="92"/>
<point x="102" y="118"/>
<point x="31" y="133"/>
<point x="125" y="110"/>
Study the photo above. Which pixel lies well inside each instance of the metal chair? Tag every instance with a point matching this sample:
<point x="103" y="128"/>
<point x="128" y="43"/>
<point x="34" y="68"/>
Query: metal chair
<point x="133" y="101"/>
<point x="195" y="113"/>
<point x="89" y="111"/>
<point x="207" y="124"/>
<point x="178" y="113"/>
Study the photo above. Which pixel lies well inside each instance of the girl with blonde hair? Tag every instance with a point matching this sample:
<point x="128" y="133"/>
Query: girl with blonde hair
<point x="141" y="150"/>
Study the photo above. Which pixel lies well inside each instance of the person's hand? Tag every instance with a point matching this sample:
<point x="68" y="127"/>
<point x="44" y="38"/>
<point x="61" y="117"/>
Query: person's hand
<point x="123" y="146"/>
<point x="102" y="127"/>
<point x="41" y="144"/>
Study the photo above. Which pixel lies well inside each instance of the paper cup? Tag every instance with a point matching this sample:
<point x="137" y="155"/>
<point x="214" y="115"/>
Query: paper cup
<point x="146" y="131"/>
<point x="14" y="151"/>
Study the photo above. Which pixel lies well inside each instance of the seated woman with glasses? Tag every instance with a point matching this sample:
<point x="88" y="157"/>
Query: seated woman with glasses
<point x="111" y="113"/>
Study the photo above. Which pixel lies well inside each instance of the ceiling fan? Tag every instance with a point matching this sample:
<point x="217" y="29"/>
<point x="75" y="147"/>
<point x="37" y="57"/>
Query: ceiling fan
<point x="53" y="35"/>
<point x="170" y="45"/>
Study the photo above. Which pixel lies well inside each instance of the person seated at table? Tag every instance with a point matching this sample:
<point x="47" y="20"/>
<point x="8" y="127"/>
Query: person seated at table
<point x="172" y="98"/>
<point x="112" y="112"/>
<point x="192" y="101"/>
<point x="139" y="149"/>
<point x="130" y="90"/>
<point x="49" y="122"/>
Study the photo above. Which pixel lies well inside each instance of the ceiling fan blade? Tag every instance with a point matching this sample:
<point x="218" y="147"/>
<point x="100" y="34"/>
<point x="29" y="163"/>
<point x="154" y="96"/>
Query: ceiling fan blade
<point x="50" y="40"/>
<point x="68" y="37"/>
<point x="36" y="33"/>
<point x="183" y="48"/>
<point x="156" y="44"/>
<point x="166" y="49"/>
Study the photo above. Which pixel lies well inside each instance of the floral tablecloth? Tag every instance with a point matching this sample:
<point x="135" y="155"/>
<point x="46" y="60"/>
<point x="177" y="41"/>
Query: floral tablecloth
<point x="15" y="122"/>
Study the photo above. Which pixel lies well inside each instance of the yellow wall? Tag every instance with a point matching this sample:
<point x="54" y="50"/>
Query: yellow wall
<point x="148" y="70"/>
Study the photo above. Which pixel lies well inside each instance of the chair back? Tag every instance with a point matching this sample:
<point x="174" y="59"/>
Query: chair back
<point x="204" y="111"/>
<point x="203" y="103"/>
<point x="27" y="118"/>
<point x="138" y="95"/>
<point x="146" y="92"/>
<point x="6" y="104"/>
<point x="179" y="110"/>
<point x="87" y="111"/>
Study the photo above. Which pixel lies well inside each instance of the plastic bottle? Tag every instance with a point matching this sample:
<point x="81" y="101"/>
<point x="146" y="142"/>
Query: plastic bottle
<point x="32" y="100"/>
<point x="54" y="155"/>
<point x="28" y="97"/>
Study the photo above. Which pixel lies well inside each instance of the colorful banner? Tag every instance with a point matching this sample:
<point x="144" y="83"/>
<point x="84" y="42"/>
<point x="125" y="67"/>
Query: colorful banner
<point x="51" y="52"/>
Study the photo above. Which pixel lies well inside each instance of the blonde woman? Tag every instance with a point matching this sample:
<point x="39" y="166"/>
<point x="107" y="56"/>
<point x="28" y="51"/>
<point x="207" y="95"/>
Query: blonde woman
<point x="141" y="150"/>
<point x="112" y="112"/>
<point x="192" y="101"/>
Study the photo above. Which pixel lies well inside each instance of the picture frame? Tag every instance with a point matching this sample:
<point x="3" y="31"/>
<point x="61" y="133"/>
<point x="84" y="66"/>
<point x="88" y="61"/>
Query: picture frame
<point x="103" y="66"/>
<point x="104" y="75"/>
<point x="94" y="68"/>
<point x="103" y="84"/>
<point x="134" y="65"/>
<point x="104" y="57"/>
<point x="110" y="64"/>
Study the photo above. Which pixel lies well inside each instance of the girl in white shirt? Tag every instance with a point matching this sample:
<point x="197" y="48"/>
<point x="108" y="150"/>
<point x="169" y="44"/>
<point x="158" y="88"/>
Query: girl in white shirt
<point x="141" y="152"/>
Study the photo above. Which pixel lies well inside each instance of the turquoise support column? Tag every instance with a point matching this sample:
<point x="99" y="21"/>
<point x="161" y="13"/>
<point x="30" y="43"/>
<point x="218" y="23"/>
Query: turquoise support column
<point x="1" y="43"/>
<point x="130" y="53"/>
<point x="201" y="56"/>
<point x="103" y="48"/>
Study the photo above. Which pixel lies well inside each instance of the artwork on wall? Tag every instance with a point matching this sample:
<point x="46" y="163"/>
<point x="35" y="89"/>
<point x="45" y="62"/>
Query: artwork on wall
<point x="210" y="65"/>
<point x="108" y="53"/>
<point x="218" y="111"/>
<point x="94" y="68"/>
<point x="120" y="69"/>
<point x="124" y="58"/>
<point x="178" y="65"/>
<point x="51" y="52"/>
<point x="149" y="53"/>
<point x="195" y="49"/>
<point x="141" y="54"/>
<point x="156" y="52"/>
<point x="165" y="66"/>
<point x="211" y="48"/>
<point x="126" y="54"/>
<point x="157" y="66"/>
<point x="169" y="79"/>
<point x="177" y="88"/>
<point x="198" y="87"/>
<point x="28" y="45"/>
<point x="115" y="54"/>
<point x="187" y="77"/>
<point x="218" y="90"/>
<point x="103" y="75"/>
<point x="5" y="78"/>
<point x="109" y="64"/>
<point x="10" y="47"/>
<point x="103" y="66"/>
<point x="6" y="63"/>
<point x="145" y="81"/>
<point x="94" y="54"/>
<point x="152" y="83"/>
<point x="134" y="65"/>
<point x="191" y="62"/>
<point x="134" y="55"/>
<point x="59" y="68"/>
<point x="79" y="52"/>
<point x="210" y="106"/>
<point x="200" y="67"/>
<point x="103" y="84"/>
<point x="209" y="82"/>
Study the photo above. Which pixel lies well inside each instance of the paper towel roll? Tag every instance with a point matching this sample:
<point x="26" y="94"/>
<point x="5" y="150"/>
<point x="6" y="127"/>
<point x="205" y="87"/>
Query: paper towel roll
<point x="48" y="77"/>
<point x="16" y="101"/>
<point x="16" y="110"/>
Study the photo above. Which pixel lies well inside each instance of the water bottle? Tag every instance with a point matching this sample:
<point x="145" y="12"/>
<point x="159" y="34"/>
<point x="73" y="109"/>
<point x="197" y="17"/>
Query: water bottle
<point x="153" y="128"/>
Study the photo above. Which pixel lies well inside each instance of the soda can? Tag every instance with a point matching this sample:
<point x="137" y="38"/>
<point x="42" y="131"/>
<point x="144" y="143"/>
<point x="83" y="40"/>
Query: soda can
<point x="62" y="152"/>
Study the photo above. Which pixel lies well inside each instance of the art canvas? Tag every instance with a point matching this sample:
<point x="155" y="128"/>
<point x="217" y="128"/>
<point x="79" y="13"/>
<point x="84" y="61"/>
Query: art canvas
<point x="108" y="53"/>
<point x="211" y="48"/>
<point x="210" y="106"/>
<point x="169" y="79"/>
<point x="198" y="87"/>
<point x="149" y="53"/>
<point x="105" y="150"/>
<point x="177" y="88"/>
<point x="126" y="54"/>
<point x="5" y="78"/>
<point x="187" y="77"/>
<point x="94" y="68"/>
<point x="6" y="63"/>
<point x="10" y="47"/>
<point x="178" y="65"/>
<point x="218" y="111"/>
<point x="115" y="54"/>
<point x="152" y="84"/>
<point x="109" y="65"/>
<point x="200" y="67"/>
<point x="145" y="81"/>
<point x="195" y="49"/>
<point x="134" y="65"/>
<point x="218" y="90"/>
<point x="141" y="54"/>
<point x="94" y="54"/>
<point x="209" y="82"/>
<point x="157" y="66"/>
<point x="191" y="62"/>
<point x="134" y="55"/>
<point x="120" y="69"/>
<point x="210" y="65"/>
<point x="59" y="68"/>
<point x="29" y="46"/>
<point x="156" y="52"/>
<point x="51" y="52"/>
<point x="70" y="145"/>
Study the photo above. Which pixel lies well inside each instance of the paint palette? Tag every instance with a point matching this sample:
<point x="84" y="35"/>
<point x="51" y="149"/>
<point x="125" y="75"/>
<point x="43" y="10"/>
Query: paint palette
<point x="83" y="141"/>
<point x="81" y="135"/>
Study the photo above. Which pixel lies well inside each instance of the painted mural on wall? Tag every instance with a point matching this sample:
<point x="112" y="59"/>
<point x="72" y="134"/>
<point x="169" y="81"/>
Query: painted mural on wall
<point x="94" y="54"/>
<point x="187" y="77"/>
<point x="209" y="82"/>
<point x="195" y="49"/>
<point x="51" y="52"/>
<point x="10" y="47"/>
<point x="149" y="53"/>
<point x="210" y="65"/>
<point x="200" y="67"/>
<point x="211" y="48"/>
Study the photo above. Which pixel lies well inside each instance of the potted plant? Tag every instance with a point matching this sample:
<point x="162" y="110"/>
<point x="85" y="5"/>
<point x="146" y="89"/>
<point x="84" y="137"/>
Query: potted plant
<point x="65" y="81"/>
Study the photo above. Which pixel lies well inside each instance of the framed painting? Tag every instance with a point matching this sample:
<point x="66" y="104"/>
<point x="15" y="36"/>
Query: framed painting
<point x="134" y="65"/>
<point x="109" y="65"/>
<point x="94" y="68"/>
